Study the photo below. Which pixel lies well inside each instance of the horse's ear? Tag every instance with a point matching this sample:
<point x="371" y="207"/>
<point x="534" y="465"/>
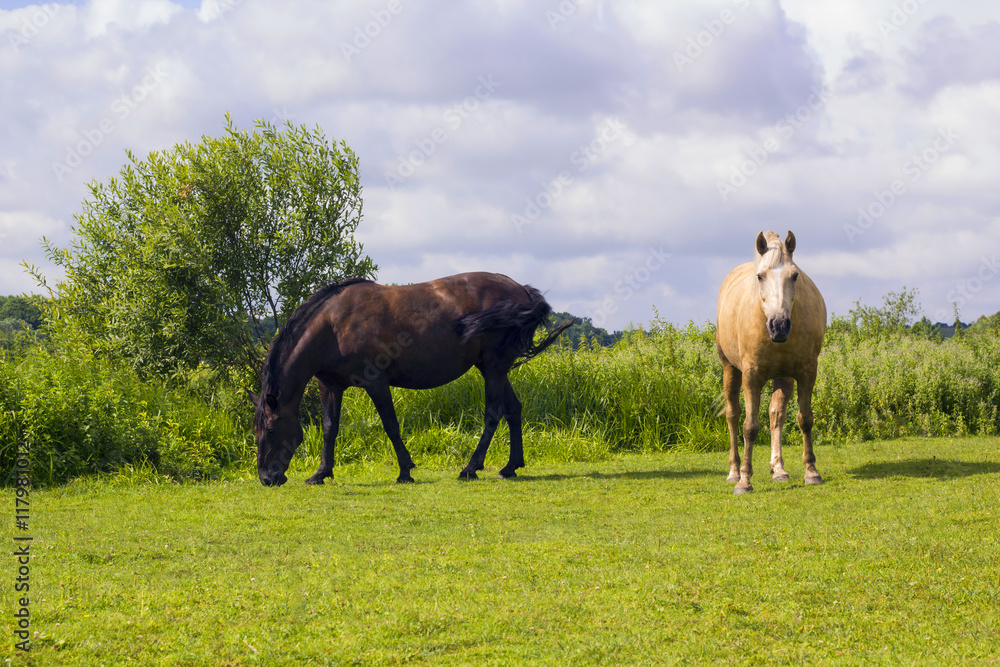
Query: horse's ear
<point x="253" y="398"/>
<point x="761" y="244"/>
<point x="790" y="242"/>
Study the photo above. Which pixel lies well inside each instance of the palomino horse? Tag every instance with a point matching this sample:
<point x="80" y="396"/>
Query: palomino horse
<point x="358" y="333"/>
<point x="771" y="324"/>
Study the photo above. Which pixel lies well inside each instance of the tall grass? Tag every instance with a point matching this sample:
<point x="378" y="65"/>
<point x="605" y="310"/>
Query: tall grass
<point x="83" y="415"/>
<point x="649" y="392"/>
<point x="663" y="390"/>
<point x="903" y="385"/>
<point x="646" y="393"/>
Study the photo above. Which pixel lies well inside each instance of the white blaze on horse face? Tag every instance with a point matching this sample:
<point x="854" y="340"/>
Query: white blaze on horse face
<point x="776" y="287"/>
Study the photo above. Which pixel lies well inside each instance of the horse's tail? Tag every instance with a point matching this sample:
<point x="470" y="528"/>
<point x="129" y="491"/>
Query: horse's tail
<point x="516" y="323"/>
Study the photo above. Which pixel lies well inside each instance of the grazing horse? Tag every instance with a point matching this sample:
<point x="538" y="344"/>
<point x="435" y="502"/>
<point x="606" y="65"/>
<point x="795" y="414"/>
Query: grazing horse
<point x="771" y="323"/>
<point x="361" y="334"/>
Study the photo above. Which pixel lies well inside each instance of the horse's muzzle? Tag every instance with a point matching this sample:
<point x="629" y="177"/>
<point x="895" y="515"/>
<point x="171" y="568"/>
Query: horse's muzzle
<point x="778" y="329"/>
<point x="273" y="480"/>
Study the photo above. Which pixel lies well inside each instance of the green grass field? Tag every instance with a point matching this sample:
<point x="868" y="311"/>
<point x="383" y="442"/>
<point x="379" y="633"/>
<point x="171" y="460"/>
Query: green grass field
<point x="638" y="559"/>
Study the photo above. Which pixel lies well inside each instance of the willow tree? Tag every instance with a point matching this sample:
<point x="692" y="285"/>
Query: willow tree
<point x="197" y="254"/>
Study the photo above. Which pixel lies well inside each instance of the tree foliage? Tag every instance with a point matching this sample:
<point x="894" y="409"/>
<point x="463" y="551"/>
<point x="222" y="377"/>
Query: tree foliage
<point x="198" y="253"/>
<point x="21" y="308"/>
<point x="898" y="310"/>
<point x="584" y="332"/>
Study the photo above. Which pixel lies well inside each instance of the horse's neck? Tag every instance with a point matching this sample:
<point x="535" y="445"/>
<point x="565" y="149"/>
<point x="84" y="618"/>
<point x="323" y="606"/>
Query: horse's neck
<point x="293" y="376"/>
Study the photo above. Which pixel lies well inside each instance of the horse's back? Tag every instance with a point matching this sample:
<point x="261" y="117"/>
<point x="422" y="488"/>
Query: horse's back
<point x="412" y="329"/>
<point x="451" y="296"/>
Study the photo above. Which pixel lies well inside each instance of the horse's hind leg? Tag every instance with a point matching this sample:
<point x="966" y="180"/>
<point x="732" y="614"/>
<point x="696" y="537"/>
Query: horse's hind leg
<point x="494" y="381"/>
<point x="805" y="419"/>
<point x="776" y="413"/>
<point x="512" y="412"/>
<point x="332" y="398"/>
<point x="381" y="396"/>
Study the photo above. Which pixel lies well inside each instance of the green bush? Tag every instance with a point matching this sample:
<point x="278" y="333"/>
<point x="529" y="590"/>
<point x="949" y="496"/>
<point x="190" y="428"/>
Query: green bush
<point x="198" y="252"/>
<point x="81" y="415"/>
<point x="903" y="385"/>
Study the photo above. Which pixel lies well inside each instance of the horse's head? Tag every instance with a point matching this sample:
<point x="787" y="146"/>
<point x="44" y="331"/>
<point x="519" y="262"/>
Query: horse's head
<point x="776" y="275"/>
<point x="279" y="434"/>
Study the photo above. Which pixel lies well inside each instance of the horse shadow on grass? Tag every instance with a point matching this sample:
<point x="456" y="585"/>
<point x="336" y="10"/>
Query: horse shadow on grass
<point x="643" y="474"/>
<point x="557" y="477"/>
<point x="933" y="467"/>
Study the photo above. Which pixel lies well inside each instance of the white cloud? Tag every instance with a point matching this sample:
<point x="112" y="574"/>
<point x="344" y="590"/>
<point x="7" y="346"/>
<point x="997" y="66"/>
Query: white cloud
<point x="405" y="88"/>
<point x="130" y="15"/>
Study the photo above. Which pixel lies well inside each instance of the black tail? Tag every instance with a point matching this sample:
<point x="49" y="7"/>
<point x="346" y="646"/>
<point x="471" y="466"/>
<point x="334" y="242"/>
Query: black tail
<point x="516" y="323"/>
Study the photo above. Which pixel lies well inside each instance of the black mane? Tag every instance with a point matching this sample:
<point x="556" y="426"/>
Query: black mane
<point x="289" y="333"/>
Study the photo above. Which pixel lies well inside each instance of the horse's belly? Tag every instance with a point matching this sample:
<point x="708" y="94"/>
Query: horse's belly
<point x="425" y="378"/>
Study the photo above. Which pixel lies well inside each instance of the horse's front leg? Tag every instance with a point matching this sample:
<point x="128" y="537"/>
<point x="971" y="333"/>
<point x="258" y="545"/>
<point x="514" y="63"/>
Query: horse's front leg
<point x="751" y="427"/>
<point x="381" y="396"/>
<point x="332" y="399"/>
<point x="777" y="411"/>
<point x="494" y="381"/>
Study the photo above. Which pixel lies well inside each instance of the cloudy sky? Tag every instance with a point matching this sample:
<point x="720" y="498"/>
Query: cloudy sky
<point x="620" y="156"/>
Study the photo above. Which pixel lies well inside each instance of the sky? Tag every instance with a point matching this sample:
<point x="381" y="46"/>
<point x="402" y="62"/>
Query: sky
<point x="619" y="156"/>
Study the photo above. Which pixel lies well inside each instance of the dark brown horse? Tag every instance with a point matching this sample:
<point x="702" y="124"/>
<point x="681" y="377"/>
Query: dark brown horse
<point x="361" y="334"/>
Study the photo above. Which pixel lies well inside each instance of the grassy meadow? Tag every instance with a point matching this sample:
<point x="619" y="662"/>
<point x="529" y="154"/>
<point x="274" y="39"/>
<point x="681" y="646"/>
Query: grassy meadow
<point x="636" y="559"/>
<point x="154" y="544"/>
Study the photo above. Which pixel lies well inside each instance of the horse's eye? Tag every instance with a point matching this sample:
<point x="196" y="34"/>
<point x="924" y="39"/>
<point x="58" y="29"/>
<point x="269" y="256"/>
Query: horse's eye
<point x="795" y="277"/>
<point x="760" y="277"/>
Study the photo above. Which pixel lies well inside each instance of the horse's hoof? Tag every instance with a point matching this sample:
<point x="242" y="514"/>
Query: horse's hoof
<point x="740" y="489"/>
<point x="468" y="474"/>
<point x="780" y="477"/>
<point x="733" y="478"/>
<point x="404" y="480"/>
<point x="813" y="479"/>
<point x="506" y="475"/>
<point x="318" y="478"/>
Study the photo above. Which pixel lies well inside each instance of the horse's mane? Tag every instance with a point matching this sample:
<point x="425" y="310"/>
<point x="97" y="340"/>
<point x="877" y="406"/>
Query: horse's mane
<point x="776" y="252"/>
<point x="288" y="334"/>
